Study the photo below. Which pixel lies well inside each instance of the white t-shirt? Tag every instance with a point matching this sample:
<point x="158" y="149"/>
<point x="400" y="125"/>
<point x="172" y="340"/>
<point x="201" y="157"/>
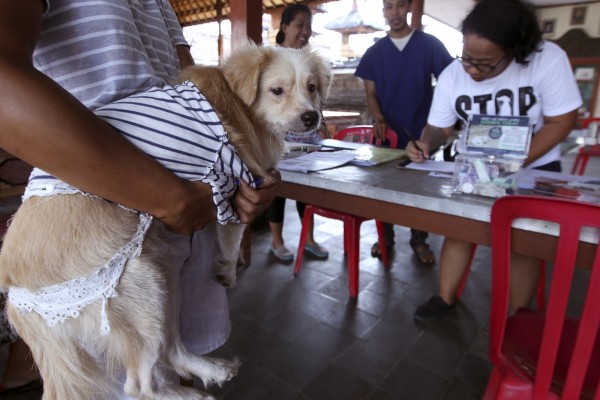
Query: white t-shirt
<point x="544" y="87"/>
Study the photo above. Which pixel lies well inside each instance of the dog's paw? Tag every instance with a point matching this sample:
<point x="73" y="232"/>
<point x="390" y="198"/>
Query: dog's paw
<point x="227" y="281"/>
<point x="226" y="369"/>
<point x="217" y="371"/>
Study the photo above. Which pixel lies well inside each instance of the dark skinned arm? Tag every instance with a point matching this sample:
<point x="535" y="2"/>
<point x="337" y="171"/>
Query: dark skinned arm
<point x="380" y="125"/>
<point x="555" y="130"/>
<point x="48" y="128"/>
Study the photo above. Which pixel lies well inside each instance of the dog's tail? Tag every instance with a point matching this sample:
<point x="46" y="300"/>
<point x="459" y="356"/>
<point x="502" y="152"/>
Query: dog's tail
<point x="68" y="371"/>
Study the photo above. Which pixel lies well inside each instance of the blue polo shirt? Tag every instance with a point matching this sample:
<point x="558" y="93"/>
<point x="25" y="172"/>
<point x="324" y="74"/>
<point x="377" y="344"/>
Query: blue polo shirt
<point x="403" y="80"/>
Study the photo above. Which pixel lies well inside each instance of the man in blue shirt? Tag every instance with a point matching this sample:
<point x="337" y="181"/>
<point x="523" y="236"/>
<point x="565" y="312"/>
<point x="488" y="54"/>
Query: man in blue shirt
<point x="397" y="71"/>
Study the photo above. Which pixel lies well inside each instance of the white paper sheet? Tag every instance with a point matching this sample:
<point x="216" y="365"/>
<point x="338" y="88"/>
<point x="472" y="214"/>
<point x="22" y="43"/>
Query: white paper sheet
<point x="316" y="161"/>
<point x="433" y="166"/>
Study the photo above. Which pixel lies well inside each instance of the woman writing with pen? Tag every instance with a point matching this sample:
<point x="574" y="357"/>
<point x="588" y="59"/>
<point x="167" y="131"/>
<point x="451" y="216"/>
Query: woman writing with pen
<point x="505" y="57"/>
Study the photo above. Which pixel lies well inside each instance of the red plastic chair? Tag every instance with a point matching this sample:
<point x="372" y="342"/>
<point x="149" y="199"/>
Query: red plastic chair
<point x="364" y="134"/>
<point x="352" y="223"/>
<point x="544" y="355"/>
<point x="586" y="151"/>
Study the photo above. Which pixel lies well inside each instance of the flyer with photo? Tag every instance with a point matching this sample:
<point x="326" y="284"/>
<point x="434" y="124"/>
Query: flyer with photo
<point x="496" y="135"/>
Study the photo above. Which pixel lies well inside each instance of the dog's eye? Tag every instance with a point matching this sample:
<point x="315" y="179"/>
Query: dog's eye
<point x="312" y="87"/>
<point x="277" y="91"/>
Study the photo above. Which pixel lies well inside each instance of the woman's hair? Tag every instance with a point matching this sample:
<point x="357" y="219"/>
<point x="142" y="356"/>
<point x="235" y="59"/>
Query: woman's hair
<point x="288" y="16"/>
<point x="510" y="24"/>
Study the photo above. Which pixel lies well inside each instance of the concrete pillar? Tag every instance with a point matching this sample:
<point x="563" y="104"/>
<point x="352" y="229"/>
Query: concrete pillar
<point x="417" y="14"/>
<point x="246" y="21"/>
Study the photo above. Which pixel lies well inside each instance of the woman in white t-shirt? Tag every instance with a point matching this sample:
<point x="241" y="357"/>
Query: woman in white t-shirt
<point x="505" y="69"/>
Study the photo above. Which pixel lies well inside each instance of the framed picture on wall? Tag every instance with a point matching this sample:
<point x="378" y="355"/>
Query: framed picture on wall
<point x="548" y="27"/>
<point x="578" y="15"/>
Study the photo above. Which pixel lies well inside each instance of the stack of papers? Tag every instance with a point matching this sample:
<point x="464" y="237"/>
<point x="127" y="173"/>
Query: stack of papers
<point x="316" y="161"/>
<point x="365" y="154"/>
<point x="295" y="146"/>
<point x="432" y="166"/>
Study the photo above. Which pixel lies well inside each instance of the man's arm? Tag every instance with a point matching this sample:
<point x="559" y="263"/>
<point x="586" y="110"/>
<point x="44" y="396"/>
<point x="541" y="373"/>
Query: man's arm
<point x="48" y="128"/>
<point x="380" y="126"/>
<point x="185" y="56"/>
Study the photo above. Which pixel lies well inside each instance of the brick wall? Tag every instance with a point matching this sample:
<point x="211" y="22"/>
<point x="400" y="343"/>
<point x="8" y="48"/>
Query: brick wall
<point x="347" y="93"/>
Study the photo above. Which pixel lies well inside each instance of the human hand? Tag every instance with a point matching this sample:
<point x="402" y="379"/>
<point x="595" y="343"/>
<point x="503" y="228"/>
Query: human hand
<point x="249" y="203"/>
<point x="417" y="150"/>
<point x="193" y="211"/>
<point x="380" y="129"/>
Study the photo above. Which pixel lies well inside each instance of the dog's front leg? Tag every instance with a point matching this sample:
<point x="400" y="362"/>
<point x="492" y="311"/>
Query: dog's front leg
<point x="229" y="237"/>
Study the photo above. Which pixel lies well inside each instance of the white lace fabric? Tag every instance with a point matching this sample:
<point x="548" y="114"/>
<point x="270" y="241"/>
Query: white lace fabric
<point x="59" y="302"/>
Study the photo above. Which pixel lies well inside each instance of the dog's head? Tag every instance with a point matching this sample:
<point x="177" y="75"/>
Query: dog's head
<point x="283" y="87"/>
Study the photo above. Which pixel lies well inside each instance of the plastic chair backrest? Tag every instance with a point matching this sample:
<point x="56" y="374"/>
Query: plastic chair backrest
<point x="571" y="217"/>
<point x="358" y="133"/>
<point x="364" y="134"/>
<point x="593" y="124"/>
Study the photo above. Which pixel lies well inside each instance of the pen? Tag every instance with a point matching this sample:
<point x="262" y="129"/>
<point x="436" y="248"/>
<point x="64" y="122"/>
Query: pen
<point x="410" y="139"/>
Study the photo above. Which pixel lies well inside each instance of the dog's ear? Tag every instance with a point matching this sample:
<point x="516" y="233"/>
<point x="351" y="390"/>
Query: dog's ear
<point x="243" y="68"/>
<point x="322" y="70"/>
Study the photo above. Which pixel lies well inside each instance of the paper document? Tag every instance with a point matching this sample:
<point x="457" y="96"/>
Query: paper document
<point x="433" y="166"/>
<point x="316" y="161"/>
<point x="366" y="154"/>
<point x="342" y="144"/>
<point x="294" y="146"/>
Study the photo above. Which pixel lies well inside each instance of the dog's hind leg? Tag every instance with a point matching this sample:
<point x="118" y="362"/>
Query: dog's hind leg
<point x="229" y="237"/>
<point x="212" y="371"/>
<point x="137" y="317"/>
<point x="175" y="355"/>
<point x="67" y="369"/>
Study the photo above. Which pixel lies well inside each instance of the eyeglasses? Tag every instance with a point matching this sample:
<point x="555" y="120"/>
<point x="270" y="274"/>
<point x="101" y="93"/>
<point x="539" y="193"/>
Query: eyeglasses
<point x="483" y="68"/>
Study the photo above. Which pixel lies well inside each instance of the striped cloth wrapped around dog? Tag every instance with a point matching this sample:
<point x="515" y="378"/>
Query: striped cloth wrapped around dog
<point x="178" y="127"/>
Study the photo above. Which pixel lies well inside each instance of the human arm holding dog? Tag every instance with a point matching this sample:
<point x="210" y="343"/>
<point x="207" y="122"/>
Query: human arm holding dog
<point x="47" y="127"/>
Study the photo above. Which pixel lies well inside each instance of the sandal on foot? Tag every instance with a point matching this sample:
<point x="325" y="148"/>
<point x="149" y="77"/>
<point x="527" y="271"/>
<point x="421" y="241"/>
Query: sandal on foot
<point x="282" y="253"/>
<point x="423" y="252"/>
<point x="376" y="250"/>
<point x="317" y="251"/>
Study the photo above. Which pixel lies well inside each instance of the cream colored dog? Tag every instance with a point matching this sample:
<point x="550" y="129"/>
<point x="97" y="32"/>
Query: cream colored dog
<point x="259" y="94"/>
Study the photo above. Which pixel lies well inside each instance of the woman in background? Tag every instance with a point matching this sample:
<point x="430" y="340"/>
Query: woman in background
<point x="295" y="31"/>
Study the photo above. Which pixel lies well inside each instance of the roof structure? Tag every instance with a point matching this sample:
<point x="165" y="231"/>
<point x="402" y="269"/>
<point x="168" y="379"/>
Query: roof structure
<point x="192" y="12"/>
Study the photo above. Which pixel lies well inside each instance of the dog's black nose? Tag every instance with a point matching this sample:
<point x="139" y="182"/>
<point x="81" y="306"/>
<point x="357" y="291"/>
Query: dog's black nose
<point x="309" y="118"/>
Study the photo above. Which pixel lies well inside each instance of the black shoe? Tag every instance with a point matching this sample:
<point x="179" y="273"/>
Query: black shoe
<point x="433" y="309"/>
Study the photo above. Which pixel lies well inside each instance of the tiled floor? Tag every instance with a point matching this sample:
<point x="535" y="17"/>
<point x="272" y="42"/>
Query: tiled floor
<point x="303" y="339"/>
